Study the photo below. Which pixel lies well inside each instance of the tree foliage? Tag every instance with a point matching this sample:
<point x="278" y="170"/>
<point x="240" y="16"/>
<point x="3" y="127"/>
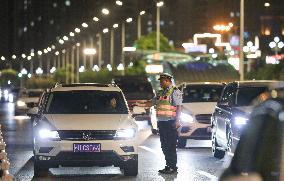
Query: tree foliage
<point x="9" y="74"/>
<point x="148" y="42"/>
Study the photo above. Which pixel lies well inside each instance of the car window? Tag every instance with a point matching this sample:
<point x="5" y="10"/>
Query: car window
<point x="201" y="93"/>
<point x="86" y="102"/>
<point x="246" y="96"/>
<point x="136" y="90"/>
<point x="228" y="95"/>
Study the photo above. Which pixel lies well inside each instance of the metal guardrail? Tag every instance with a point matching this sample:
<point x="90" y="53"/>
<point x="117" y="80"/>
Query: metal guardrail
<point x="4" y="161"/>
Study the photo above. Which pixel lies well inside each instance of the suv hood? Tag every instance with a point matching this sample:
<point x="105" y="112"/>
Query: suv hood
<point x="199" y="107"/>
<point x="88" y="121"/>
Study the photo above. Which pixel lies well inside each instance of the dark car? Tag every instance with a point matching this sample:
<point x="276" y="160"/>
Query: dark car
<point x="259" y="154"/>
<point x="138" y="88"/>
<point x="232" y="112"/>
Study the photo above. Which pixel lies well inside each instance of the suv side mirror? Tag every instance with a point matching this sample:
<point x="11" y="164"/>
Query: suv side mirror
<point x="33" y="111"/>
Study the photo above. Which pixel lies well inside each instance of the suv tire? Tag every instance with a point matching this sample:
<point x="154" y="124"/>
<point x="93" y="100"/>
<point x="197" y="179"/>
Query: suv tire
<point x="217" y="153"/>
<point x="131" y="168"/>
<point x="39" y="170"/>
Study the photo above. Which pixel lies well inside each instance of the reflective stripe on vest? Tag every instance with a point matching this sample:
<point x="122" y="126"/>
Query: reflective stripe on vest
<point x="164" y="107"/>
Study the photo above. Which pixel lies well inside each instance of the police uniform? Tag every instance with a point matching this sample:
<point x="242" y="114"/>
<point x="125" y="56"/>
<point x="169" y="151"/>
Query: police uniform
<point x="167" y="101"/>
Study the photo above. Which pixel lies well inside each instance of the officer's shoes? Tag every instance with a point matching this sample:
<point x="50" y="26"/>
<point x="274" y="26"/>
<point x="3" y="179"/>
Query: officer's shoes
<point x="168" y="170"/>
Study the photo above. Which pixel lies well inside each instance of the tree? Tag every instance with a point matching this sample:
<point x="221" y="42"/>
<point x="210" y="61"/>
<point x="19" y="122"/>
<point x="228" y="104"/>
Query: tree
<point x="149" y="43"/>
<point x="9" y="74"/>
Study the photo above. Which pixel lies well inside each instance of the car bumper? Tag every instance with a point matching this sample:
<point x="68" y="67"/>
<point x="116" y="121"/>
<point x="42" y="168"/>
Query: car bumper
<point x="113" y="152"/>
<point x="71" y="159"/>
<point x="198" y="131"/>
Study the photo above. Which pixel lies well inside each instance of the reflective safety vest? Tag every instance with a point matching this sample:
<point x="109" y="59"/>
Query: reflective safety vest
<point x="165" y="109"/>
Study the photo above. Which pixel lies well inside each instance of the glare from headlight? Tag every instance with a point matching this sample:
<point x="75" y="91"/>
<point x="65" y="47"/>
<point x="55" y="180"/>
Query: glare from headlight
<point x="241" y="120"/>
<point x="186" y="118"/>
<point x="21" y="103"/>
<point x="6" y="92"/>
<point x="48" y="134"/>
<point x="125" y="133"/>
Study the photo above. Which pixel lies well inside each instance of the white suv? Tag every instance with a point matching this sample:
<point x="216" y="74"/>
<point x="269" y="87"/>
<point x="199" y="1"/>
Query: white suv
<point x="84" y="125"/>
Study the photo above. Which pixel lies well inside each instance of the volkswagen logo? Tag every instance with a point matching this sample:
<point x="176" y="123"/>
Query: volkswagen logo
<point x="86" y="136"/>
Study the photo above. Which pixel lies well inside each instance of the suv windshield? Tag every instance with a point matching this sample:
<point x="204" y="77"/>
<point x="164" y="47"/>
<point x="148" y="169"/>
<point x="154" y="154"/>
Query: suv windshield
<point x="201" y="93"/>
<point x="86" y="102"/>
<point x="246" y="96"/>
<point x="136" y="90"/>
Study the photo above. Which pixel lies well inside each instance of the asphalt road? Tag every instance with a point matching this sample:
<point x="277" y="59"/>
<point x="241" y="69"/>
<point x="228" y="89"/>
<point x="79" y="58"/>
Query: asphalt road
<point x="195" y="162"/>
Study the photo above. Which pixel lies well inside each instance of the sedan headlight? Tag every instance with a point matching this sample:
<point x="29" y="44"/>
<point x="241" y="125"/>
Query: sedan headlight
<point x="48" y="134"/>
<point x="186" y="118"/>
<point x="241" y="120"/>
<point x="21" y="104"/>
<point x="125" y="133"/>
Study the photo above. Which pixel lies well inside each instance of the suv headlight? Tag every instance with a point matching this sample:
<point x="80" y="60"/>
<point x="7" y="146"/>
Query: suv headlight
<point x="241" y="120"/>
<point x="48" y="134"/>
<point x="186" y="118"/>
<point x="21" y="103"/>
<point x="125" y="133"/>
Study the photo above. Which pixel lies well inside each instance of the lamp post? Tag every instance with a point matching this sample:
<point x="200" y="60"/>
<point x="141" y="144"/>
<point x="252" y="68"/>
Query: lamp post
<point x="241" y="61"/>
<point x="159" y="5"/>
<point x="276" y="45"/>
<point x="139" y="24"/>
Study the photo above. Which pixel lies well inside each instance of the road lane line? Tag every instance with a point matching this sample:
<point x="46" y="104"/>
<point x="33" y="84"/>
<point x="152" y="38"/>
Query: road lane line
<point x="208" y="175"/>
<point x="158" y="153"/>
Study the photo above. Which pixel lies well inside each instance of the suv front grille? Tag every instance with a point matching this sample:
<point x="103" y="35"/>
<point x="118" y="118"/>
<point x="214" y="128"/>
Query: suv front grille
<point x="203" y="118"/>
<point x="86" y="135"/>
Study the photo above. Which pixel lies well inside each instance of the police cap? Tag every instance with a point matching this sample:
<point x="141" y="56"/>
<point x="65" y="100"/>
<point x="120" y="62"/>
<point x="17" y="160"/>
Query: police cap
<point x="166" y="76"/>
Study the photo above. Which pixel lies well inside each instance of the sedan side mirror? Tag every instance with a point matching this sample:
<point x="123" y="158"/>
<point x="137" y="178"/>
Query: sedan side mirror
<point x="33" y="111"/>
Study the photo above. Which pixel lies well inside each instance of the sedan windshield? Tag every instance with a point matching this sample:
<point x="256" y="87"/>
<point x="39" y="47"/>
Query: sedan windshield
<point x="86" y="102"/>
<point x="202" y="93"/>
<point x="247" y="96"/>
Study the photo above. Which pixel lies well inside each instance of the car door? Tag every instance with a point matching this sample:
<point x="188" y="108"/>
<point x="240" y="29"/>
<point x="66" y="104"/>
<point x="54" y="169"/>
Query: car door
<point x="223" y="114"/>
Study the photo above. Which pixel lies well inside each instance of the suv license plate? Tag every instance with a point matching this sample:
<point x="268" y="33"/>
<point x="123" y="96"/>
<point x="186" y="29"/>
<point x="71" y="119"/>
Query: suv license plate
<point x="86" y="147"/>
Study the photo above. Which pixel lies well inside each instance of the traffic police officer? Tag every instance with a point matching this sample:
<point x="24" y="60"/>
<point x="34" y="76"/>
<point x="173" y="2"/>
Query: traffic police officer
<point x="168" y="107"/>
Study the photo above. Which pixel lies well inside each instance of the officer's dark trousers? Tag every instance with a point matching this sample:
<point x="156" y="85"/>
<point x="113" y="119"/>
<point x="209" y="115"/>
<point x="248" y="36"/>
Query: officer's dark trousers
<point x="168" y="138"/>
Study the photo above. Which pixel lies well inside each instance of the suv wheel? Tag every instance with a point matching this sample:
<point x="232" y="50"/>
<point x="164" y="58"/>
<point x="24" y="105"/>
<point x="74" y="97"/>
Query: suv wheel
<point x="215" y="151"/>
<point x="131" y="168"/>
<point x="39" y="170"/>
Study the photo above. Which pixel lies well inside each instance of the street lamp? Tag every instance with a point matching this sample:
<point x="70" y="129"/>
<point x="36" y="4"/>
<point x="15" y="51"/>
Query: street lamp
<point x="241" y="61"/>
<point x="276" y="45"/>
<point x="139" y="24"/>
<point x="90" y="51"/>
<point x="159" y="5"/>
<point x="105" y="11"/>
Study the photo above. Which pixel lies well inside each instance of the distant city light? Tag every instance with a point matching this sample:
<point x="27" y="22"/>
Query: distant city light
<point x="77" y="30"/>
<point x="267" y="4"/>
<point x="65" y="38"/>
<point x="3" y="58"/>
<point x="128" y="20"/>
<point x="14" y="57"/>
<point x="85" y="25"/>
<point x="142" y="13"/>
<point x="105" y="30"/>
<point x="39" y="52"/>
<point x="115" y="26"/>
<point x="57" y="53"/>
<point x="96" y="19"/>
<point x="160" y="4"/>
<point x="96" y="68"/>
<point x="90" y="51"/>
<point x="61" y="41"/>
<point x="24" y="55"/>
<point x="119" y="3"/>
<point x="71" y="34"/>
<point x="105" y="11"/>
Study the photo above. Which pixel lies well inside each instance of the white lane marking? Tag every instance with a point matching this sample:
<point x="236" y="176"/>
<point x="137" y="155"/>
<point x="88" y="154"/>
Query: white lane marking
<point x="158" y="153"/>
<point x="208" y="175"/>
